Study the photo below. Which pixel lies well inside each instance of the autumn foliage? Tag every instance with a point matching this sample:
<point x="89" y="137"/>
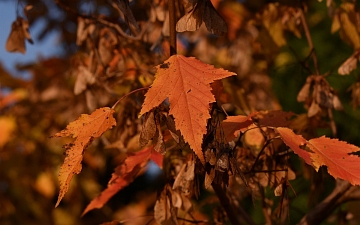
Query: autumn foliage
<point x="184" y="88"/>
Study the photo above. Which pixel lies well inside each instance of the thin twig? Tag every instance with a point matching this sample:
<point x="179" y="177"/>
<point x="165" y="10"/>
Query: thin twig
<point x="131" y="92"/>
<point x="226" y="204"/>
<point x="267" y="142"/>
<point x="308" y="37"/>
<point x="328" y="205"/>
<point x="105" y="22"/>
<point x="172" y="24"/>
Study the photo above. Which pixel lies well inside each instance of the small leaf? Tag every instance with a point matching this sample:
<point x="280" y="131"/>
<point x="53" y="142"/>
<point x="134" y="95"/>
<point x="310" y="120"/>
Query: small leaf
<point x="209" y="178"/>
<point x="304" y="92"/>
<point x="202" y="11"/>
<point x="84" y="130"/>
<point x="233" y="124"/>
<point x="349" y="65"/>
<point x="148" y="129"/>
<point x="19" y="32"/>
<point x="164" y="211"/>
<point x="83" y="78"/>
<point x="348" y="27"/>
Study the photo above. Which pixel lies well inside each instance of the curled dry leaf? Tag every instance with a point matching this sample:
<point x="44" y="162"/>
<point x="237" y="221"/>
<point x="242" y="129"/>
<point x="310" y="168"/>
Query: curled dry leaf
<point x="202" y="11"/>
<point x="148" y="129"/>
<point x="165" y="213"/>
<point x="182" y="80"/>
<point x="209" y="178"/>
<point x="210" y="157"/>
<point x="305" y="90"/>
<point x="84" y="30"/>
<point x="170" y="123"/>
<point x="19" y="32"/>
<point x="159" y="144"/>
<point x="83" y="78"/>
<point x="349" y="65"/>
<point x="341" y="158"/>
<point x="323" y="95"/>
<point x="314" y="109"/>
<point x="278" y="191"/>
<point x="84" y="130"/>
<point x="124" y="7"/>
<point x="348" y="25"/>
<point x="185" y="179"/>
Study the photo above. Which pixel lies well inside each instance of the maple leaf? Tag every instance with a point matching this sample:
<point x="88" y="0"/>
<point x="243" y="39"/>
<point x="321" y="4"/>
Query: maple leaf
<point x="233" y="124"/>
<point x="124" y="174"/>
<point x="84" y="130"/>
<point x="339" y="157"/>
<point x="186" y="83"/>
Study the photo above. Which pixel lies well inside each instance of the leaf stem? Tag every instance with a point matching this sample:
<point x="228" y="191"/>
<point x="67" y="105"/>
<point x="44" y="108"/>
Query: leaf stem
<point x="172" y="24"/>
<point x="308" y="37"/>
<point x="131" y="92"/>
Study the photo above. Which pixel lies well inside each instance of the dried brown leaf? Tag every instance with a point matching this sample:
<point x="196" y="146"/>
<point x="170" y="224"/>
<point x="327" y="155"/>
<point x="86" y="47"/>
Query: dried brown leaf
<point x="164" y="211"/>
<point x="349" y="65"/>
<point x="19" y="32"/>
<point x="209" y="178"/>
<point x="148" y="130"/>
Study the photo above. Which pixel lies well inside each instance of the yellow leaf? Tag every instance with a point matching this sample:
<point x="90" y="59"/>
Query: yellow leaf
<point x="7" y="125"/>
<point x="84" y="130"/>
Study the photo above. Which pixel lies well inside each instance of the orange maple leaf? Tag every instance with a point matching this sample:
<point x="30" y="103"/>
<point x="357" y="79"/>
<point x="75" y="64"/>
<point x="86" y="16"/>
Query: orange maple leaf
<point x="124" y="174"/>
<point x="275" y="118"/>
<point x="84" y="130"/>
<point x="233" y="124"/>
<point x="339" y="157"/>
<point x="186" y="83"/>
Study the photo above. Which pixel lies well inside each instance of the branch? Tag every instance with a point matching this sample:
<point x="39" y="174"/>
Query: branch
<point x="342" y="193"/>
<point x="229" y="207"/>
<point x="105" y="22"/>
<point x="308" y="37"/>
<point x="172" y="24"/>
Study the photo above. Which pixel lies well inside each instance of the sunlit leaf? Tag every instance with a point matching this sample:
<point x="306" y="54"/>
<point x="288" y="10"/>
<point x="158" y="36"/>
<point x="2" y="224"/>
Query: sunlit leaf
<point x="84" y="130"/>
<point x="341" y="158"/>
<point x="186" y="83"/>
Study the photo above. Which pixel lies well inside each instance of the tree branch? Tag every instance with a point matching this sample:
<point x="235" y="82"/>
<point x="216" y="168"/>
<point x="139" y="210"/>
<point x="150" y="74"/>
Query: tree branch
<point x="172" y="24"/>
<point x="308" y="37"/>
<point x="342" y="192"/>
<point x="229" y="207"/>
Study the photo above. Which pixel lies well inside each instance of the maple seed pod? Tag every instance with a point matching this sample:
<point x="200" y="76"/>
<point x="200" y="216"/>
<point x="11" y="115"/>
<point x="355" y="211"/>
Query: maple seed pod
<point x="304" y="92"/>
<point x="337" y="103"/>
<point x="222" y="163"/>
<point x="314" y="109"/>
<point x="19" y="32"/>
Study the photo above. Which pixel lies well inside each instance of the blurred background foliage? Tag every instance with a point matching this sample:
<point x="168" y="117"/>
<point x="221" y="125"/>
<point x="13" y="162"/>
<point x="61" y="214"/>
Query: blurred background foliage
<point x="271" y="71"/>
